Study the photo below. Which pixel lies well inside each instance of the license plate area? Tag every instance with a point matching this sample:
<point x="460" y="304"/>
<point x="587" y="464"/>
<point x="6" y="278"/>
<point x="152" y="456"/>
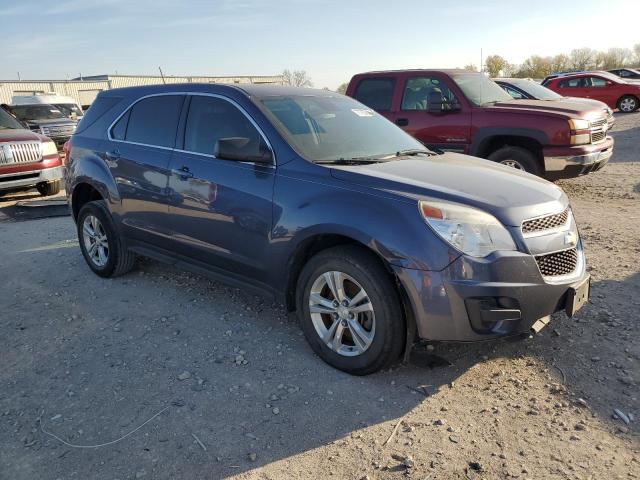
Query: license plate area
<point x="577" y="297"/>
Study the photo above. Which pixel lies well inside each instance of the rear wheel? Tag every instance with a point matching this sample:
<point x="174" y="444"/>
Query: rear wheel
<point x="628" y="104"/>
<point x="49" y="188"/>
<point x="518" y="158"/>
<point x="350" y="311"/>
<point x="101" y="246"/>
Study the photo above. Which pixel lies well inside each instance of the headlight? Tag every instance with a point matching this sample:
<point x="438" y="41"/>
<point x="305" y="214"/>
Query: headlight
<point x="467" y="229"/>
<point x="48" y="149"/>
<point x="580" y="131"/>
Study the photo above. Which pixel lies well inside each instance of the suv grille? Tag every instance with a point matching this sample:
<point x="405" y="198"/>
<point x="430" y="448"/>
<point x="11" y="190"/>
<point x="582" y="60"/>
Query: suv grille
<point x="545" y="223"/>
<point x="20" y="152"/>
<point x="558" y="263"/>
<point x="58" y="130"/>
<point x="599" y="129"/>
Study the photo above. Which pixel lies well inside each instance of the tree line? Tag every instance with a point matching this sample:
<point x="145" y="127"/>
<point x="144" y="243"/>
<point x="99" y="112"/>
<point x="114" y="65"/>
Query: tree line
<point x="537" y="66"/>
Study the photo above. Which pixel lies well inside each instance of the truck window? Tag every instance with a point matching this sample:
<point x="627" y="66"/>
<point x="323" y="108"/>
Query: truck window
<point x="571" y="83"/>
<point x="417" y="90"/>
<point x="376" y="93"/>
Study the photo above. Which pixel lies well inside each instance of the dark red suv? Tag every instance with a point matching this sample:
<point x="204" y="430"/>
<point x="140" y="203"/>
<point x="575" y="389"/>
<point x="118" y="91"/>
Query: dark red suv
<point x="466" y="112"/>
<point x="604" y="86"/>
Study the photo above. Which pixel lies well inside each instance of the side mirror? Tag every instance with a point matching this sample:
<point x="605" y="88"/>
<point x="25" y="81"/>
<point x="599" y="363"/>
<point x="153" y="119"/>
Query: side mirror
<point x="609" y="83"/>
<point x="241" y="149"/>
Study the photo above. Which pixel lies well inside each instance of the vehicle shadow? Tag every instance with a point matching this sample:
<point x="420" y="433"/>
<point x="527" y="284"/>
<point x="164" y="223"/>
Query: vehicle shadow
<point x="235" y="373"/>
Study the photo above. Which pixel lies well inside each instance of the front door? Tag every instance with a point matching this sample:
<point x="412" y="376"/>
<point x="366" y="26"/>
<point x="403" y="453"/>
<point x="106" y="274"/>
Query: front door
<point x="220" y="210"/>
<point x="447" y="130"/>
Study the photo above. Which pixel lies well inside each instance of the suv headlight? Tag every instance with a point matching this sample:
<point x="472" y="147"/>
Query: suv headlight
<point x="48" y="149"/>
<point x="580" y="131"/>
<point x="467" y="229"/>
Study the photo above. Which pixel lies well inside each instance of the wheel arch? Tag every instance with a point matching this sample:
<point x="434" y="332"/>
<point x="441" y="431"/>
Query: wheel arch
<point x="488" y="140"/>
<point x="82" y="193"/>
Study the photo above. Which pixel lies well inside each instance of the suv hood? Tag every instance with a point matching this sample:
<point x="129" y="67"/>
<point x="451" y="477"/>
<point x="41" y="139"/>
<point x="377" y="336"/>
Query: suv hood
<point x="508" y="194"/>
<point x="564" y="108"/>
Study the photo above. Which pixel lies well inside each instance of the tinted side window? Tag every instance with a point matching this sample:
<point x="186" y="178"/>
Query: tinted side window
<point x="376" y="93"/>
<point x="154" y="120"/>
<point x="211" y="119"/>
<point x="596" y="82"/>
<point x="514" y="93"/>
<point x="99" y="107"/>
<point x="571" y="83"/>
<point x="119" y="130"/>
<point x="416" y="93"/>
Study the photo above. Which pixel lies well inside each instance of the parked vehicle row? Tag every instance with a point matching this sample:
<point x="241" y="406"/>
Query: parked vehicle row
<point x="465" y="112"/>
<point x="315" y="198"/>
<point x="603" y="86"/>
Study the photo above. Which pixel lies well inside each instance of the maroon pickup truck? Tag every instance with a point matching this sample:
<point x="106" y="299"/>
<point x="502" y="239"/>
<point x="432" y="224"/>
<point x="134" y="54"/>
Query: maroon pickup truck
<point x="466" y="112"/>
<point x="27" y="159"/>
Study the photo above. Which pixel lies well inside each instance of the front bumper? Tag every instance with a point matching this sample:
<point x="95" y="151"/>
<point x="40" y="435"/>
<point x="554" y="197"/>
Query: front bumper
<point x="477" y="299"/>
<point x="30" y="178"/>
<point x="568" y="162"/>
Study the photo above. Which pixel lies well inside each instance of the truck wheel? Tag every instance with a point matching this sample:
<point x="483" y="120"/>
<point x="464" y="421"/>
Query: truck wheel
<point x="518" y="158"/>
<point x="628" y="104"/>
<point x="101" y="246"/>
<point x="350" y="311"/>
<point x="49" y="188"/>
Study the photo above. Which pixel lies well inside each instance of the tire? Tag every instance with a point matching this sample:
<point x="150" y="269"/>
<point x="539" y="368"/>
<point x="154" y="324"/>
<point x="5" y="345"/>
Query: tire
<point x="115" y="259"/>
<point x="628" y="103"/>
<point x="49" y="188"/>
<point x="518" y="158"/>
<point x="384" y="325"/>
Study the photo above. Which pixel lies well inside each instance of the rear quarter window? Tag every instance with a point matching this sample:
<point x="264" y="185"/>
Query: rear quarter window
<point x="376" y="93"/>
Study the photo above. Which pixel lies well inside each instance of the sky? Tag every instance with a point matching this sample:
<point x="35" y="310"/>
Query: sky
<point x="331" y="40"/>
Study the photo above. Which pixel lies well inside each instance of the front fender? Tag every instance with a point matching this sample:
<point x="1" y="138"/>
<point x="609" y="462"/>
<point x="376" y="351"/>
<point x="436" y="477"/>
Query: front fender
<point x="483" y="136"/>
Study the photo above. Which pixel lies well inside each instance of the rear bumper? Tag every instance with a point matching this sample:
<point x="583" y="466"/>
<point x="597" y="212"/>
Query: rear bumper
<point x="479" y="299"/>
<point x="567" y="162"/>
<point x="30" y="178"/>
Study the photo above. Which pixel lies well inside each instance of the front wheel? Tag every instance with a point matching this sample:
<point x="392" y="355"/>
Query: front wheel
<point x="628" y="104"/>
<point x="518" y="158"/>
<point x="350" y="311"/>
<point x="101" y="246"/>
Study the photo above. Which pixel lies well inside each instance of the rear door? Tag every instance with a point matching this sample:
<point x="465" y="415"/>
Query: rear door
<point x="447" y="130"/>
<point x="220" y="210"/>
<point x="138" y="152"/>
<point x="602" y="89"/>
<point x="573" y="87"/>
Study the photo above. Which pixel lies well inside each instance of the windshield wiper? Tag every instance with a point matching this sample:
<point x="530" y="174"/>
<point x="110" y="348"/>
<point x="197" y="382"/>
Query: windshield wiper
<point x="350" y="161"/>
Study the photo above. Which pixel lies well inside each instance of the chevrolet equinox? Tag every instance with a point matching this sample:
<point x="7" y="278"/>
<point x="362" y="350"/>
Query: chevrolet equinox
<point x="314" y="198"/>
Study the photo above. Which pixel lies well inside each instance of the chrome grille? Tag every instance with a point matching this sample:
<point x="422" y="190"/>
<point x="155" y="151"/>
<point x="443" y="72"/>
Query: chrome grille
<point x="58" y="130"/>
<point x="545" y="223"/>
<point x="20" y="152"/>
<point x="599" y="129"/>
<point x="598" y="123"/>
<point x="598" y="136"/>
<point x="558" y="263"/>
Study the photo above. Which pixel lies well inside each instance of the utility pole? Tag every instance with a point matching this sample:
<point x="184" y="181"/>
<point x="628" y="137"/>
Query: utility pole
<point x="162" y="75"/>
<point x="19" y="76"/>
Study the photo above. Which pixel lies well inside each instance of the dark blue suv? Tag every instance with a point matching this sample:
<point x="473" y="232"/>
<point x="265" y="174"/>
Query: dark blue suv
<point x="314" y="198"/>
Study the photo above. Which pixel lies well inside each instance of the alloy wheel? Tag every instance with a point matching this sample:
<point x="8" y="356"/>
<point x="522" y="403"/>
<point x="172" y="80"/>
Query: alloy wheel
<point x="342" y="313"/>
<point x="628" y="104"/>
<point x="95" y="241"/>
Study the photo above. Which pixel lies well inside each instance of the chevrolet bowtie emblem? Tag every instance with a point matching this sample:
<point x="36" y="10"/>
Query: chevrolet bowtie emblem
<point x="570" y="238"/>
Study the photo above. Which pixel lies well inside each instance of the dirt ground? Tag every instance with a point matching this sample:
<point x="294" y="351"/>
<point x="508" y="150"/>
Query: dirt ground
<point x="241" y="394"/>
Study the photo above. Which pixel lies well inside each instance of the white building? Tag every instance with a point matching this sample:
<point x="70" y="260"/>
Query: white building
<point x="85" y="89"/>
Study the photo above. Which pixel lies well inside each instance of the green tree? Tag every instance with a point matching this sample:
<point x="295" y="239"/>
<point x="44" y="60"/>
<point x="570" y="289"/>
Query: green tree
<point x="342" y="88"/>
<point x="560" y="63"/>
<point x="535" y="67"/>
<point x="495" y="65"/>
<point x="582" y="59"/>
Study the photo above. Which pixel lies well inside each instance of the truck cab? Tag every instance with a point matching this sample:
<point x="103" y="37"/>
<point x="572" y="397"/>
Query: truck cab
<point x="466" y="112"/>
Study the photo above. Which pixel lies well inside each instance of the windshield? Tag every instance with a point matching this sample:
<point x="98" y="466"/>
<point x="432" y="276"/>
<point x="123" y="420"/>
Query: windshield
<point x="8" y="122"/>
<point x="479" y="89"/>
<point x="37" y="112"/>
<point x="68" y="109"/>
<point x="536" y="90"/>
<point x="325" y="128"/>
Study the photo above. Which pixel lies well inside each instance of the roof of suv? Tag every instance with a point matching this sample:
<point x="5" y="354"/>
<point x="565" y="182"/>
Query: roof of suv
<point x="253" y="90"/>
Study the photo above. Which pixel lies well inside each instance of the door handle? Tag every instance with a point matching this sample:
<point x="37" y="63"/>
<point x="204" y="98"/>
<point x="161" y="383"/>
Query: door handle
<point x="402" y="122"/>
<point x="113" y="155"/>
<point x="182" y="172"/>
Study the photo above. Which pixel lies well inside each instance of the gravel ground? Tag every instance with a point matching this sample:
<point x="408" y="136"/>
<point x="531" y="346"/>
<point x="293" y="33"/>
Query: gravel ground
<point x="243" y="396"/>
